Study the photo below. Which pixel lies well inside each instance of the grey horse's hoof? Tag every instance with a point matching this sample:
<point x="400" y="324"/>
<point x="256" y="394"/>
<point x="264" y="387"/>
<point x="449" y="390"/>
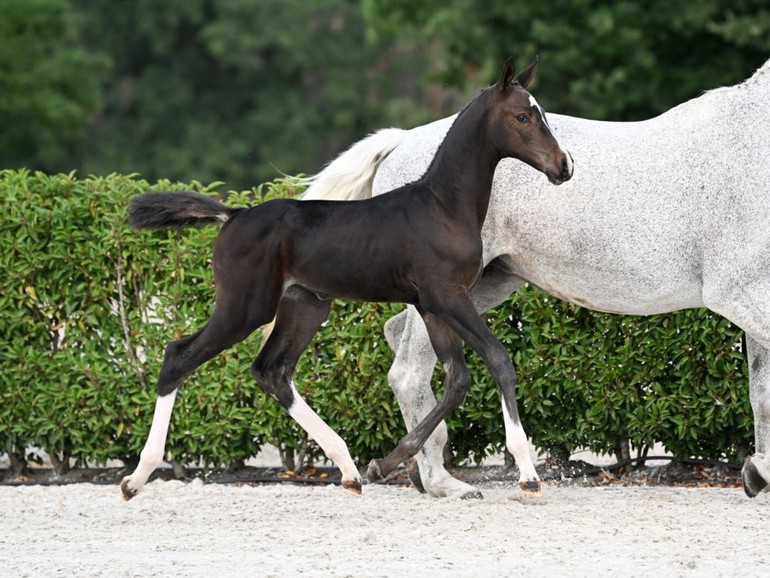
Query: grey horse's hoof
<point x="127" y="491"/>
<point x="373" y="472"/>
<point x="472" y="496"/>
<point x="753" y="482"/>
<point x="414" y="475"/>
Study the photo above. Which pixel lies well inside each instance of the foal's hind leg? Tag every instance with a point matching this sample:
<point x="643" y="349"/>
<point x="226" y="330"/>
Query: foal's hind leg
<point x="756" y="470"/>
<point x="300" y="314"/>
<point x="181" y="358"/>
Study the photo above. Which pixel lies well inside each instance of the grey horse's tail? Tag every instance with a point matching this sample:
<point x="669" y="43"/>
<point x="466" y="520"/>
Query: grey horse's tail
<point x="349" y="177"/>
<point x="181" y="209"/>
<point x="351" y="174"/>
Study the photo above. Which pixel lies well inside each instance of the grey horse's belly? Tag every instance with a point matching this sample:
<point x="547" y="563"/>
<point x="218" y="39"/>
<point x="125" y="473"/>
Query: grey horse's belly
<point x="613" y="291"/>
<point x="624" y="262"/>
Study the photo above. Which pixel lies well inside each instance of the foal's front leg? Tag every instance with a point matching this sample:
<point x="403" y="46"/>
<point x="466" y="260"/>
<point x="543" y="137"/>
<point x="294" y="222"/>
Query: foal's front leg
<point x="412" y="370"/>
<point x="459" y="314"/>
<point x="463" y="318"/>
<point x="410" y="379"/>
<point x="448" y="347"/>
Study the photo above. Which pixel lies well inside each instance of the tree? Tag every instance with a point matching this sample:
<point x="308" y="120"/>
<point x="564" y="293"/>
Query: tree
<point x="621" y="60"/>
<point x="48" y="84"/>
<point x="236" y="90"/>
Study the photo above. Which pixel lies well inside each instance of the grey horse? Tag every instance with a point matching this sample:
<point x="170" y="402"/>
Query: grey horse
<point x="664" y="214"/>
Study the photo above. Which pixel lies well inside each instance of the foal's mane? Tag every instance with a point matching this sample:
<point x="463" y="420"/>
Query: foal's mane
<point x="459" y="114"/>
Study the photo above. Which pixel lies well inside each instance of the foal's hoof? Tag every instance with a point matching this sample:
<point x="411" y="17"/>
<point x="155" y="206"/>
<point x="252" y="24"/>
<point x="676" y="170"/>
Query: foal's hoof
<point x="753" y="482"/>
<point x="352" y="486"/>
<point x="126" y="489"/>
<point x="373" y="472"/>
<point x="531" y="487"/>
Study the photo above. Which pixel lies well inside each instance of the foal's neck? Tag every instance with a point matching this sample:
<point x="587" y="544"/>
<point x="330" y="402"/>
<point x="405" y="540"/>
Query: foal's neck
<point x="461" y="173"/>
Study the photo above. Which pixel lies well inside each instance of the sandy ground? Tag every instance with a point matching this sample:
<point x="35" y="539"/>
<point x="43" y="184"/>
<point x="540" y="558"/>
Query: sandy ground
<point x="177" y="529"/>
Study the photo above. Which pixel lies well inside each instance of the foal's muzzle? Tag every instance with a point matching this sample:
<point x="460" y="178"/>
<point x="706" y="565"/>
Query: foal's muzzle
<point x="565" y="171"/>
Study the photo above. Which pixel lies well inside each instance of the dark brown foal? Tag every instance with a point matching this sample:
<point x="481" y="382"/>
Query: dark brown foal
<point x="419" y="244"/>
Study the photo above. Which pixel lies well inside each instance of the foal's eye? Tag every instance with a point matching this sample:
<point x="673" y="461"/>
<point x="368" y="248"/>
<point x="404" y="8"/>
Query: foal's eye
<point x="522" y="117"/>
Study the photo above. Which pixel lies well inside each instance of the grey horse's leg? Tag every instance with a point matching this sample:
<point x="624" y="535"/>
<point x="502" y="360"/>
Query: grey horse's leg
<point x="411" y="373"/>
<point x="745" y="305"/>
<point x="756" y="470"/>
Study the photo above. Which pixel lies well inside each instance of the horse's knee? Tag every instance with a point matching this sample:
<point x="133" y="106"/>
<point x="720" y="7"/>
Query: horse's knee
<point x="501" y="367"/>
<point x="394" y="329"/>
<point x="274" y="381"/>
<point x="500" y="358"/>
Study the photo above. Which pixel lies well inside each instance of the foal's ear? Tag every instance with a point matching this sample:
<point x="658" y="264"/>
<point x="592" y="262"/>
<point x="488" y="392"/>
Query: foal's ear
<point x="527" y="75"/>
<point x="507" y="76"/>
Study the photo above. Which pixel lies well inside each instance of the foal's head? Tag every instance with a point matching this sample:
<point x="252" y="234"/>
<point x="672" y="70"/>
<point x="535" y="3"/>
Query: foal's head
<point x="519" y="129"/>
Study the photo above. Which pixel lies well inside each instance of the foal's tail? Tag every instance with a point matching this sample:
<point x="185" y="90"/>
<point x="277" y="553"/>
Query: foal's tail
<point x="351" y="174"/>
<point x="182" y="209"/>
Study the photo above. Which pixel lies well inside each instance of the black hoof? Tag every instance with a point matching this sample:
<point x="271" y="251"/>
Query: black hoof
<point x="472" y="496"/>
<point x="414" y="475"/>
<point x="531" y="487"/>
<point x="352" y="486"/>
<point x="753" y="482"/>
<point x="373" y="472"/>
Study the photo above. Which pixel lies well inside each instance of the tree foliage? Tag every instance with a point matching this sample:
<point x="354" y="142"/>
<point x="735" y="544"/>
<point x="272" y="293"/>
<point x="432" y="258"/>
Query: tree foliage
<point x="238" y="90"/>
<point x="621" y="60"/>
<point x="233" y="90"/>
<point x="48" y="83"/>
<point x="87" y="306"/>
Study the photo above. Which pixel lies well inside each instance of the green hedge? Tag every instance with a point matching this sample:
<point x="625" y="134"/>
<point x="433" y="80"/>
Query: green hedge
<point x="88" y="306"/>
<point x="596" y="380"/>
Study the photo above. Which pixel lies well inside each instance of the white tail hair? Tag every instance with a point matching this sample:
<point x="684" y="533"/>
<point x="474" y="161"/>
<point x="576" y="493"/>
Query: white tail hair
<point x="350" y="176"/>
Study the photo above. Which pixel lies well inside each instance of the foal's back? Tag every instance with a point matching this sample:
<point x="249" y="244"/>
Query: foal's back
<point x="378" y="249"/>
